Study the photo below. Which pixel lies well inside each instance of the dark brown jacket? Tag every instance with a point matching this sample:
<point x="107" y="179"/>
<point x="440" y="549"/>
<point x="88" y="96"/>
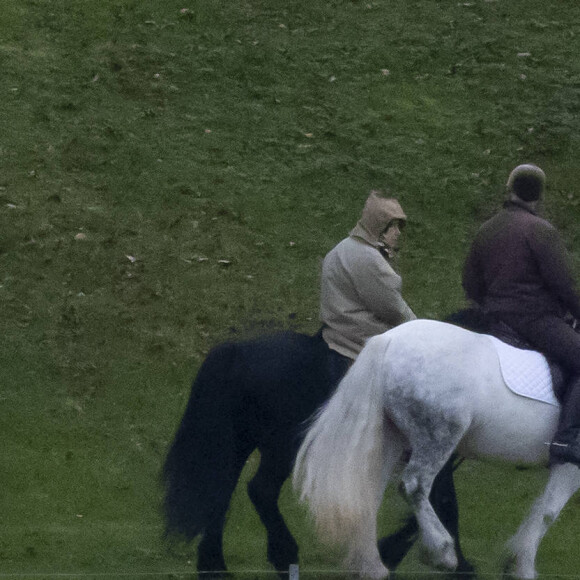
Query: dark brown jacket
<point x="518" y="265"/>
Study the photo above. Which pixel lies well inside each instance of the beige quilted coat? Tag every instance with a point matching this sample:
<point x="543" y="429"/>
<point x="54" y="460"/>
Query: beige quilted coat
<point x="360" y="290"/>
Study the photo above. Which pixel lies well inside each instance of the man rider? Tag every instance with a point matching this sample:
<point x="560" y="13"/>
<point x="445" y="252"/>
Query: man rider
<point x="518" y="272"/>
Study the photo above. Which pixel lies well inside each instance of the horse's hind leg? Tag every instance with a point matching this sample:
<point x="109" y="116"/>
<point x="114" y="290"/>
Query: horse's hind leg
<point x="432" y="445"/>
<point x="436" y="540"/>
<point x="443" y="498"/>
<point x="563" y="483"/>
<point x="210" y="555"/>
<point x="264" y="491"/>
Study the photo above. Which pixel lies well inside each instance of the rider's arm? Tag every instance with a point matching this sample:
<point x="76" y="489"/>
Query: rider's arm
<point x="472" y="281"/>
<point x="554" y="266"/>
<point x="380" y="289"/>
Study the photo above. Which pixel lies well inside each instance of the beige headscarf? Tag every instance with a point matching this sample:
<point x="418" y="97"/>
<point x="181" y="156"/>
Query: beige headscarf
<point x="378" y="212"/>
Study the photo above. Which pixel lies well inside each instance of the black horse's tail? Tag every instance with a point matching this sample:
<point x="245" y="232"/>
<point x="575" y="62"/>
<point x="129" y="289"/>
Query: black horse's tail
<point x="200" y="470"/>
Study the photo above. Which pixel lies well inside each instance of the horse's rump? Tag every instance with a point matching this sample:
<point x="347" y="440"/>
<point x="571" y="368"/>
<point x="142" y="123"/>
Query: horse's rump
<point x="246" y="395"/>
<point x="456" y="372"/>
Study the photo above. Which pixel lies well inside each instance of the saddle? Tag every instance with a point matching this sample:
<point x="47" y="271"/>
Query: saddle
<point x="476" y="321"/>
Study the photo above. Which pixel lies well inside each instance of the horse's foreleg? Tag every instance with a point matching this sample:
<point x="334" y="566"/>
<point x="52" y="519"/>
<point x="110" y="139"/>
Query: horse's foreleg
<point x="395" y="547"/>
<point x="563" y="482"/>
<point x="264" y="491"/>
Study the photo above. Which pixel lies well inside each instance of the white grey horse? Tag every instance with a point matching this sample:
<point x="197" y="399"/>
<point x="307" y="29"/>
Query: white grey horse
<point x="414" y="396"/>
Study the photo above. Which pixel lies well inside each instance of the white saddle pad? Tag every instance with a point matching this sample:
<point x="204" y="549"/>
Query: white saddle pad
<point x="525" y="372"/>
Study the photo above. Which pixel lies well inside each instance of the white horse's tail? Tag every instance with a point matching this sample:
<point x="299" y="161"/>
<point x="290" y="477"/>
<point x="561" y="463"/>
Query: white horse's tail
<point x="347" y="458"/>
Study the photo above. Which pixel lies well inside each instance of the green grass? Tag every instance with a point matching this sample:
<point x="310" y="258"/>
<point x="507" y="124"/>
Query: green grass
<point x="209" y="154"/>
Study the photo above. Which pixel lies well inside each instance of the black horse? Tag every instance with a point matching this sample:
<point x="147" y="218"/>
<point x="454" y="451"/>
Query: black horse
<point x="252" y="395"/>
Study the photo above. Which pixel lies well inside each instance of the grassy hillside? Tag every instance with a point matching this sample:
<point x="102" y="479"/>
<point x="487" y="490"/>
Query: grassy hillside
<point x="172" y="173"/>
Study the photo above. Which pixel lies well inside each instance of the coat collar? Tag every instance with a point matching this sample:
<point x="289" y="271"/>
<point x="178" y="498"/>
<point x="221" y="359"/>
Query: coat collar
<point x="514" y="204"/>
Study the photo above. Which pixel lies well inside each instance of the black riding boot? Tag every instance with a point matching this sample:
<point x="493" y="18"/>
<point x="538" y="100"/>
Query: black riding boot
<point x="565" y="448"/>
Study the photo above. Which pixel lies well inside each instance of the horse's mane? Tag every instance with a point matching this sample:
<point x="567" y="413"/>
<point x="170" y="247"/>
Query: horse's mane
<point x="471" y="319"/>
<point x="475" y="320"/>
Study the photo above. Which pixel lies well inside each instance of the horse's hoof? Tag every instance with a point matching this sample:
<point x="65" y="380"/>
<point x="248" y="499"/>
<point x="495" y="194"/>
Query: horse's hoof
<point x="375" y="573"/>
<point x="281" y="556"/>
<point x="444" y="559"/>
<point x="464" y="569"/>
<point x="366" y="565"/>
<point x="216" y="575"/>
<point x="210" y="568"/>
<point x="512" y="570"/>
<point x="394" y="548"/>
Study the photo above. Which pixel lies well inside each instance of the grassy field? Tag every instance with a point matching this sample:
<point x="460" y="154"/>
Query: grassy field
<point x="172" y="173"/>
